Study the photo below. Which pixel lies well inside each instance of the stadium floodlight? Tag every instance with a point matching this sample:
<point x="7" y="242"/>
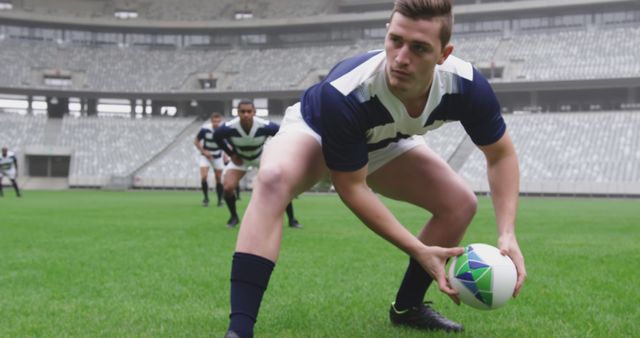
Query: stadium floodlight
<point x="124" y="14"/>
<point x="6" y="6"/>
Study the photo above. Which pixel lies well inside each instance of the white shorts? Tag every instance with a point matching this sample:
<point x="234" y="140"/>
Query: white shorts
<point x="216" y="163"/>
<point x="293" y="121"/>
<point x="10" y="173"/>
<point x="246" y="165"/>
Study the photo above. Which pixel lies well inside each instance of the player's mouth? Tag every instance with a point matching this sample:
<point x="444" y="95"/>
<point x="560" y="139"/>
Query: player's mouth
<point x="400" y="74"/>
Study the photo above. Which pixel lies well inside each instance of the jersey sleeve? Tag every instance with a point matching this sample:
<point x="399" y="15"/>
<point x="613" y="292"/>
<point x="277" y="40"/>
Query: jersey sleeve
<point x="344" y="144"/>
<point x="483" y="120"/>
<point x="269" y="129"/>
<point x="220" y="136"/>
<point x="201" y="134"/>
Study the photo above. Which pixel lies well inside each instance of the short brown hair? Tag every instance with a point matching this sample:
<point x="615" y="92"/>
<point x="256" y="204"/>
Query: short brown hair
<point x="246" y="101"/>
<point x="428" y="9"/>
<point x="215" y="115"/>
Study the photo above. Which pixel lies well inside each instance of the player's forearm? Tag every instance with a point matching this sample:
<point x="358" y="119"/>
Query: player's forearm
<point x="225" y="147"/>
<point x="196" y="143"/>
<point x="373" y="213"/>
<point x="504" y="182"/>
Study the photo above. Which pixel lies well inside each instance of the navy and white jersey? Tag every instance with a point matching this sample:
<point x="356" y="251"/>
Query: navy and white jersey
<point x="8" y="162"/>
<point x="247" y="145"/>
<point x="205" y="136"/>
<point x="354" y="112"/>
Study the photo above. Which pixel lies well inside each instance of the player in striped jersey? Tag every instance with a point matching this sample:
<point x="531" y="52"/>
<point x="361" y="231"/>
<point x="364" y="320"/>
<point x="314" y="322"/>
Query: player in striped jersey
<point x="243" y="139"/>
<point x="363" y="123"/>
<point x="210" y="156"/>
<point x="9" y="168"/>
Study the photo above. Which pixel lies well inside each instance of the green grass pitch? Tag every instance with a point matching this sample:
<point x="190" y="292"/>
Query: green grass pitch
<point x="156" y="264"/>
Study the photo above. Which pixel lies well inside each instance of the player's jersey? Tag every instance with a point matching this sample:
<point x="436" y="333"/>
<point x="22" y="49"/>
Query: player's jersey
<point x="7" y="162"/>
<point x="205" y="135"/>
<point x="354" y="112"/>
<point x="247" y="145"/>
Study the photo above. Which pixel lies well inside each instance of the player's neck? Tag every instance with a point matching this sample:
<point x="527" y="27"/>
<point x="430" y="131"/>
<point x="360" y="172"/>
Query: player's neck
<point x="413" y="101"/>
<point x="414" y="104"/>
<point x="246" y="126"/>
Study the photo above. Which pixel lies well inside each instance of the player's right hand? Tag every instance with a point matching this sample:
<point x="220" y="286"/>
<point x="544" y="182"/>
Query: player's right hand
<point x="236" y="159"/>
<point x="207" y="154"/>
<point x="434" y="260"/>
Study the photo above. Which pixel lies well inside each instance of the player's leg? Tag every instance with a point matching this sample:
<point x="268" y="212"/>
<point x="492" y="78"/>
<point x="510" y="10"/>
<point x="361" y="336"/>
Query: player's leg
<point x="1" y="191"/>
<point x="218" y="165"/>
<point x="15" y="187"/>
<point x="203" y="163"/>
<point x="204" y="185"/>
<point x="420" y="177"/>
<point x="232" y="176"/>
<point x="291" y="163"/>
<point x="293" y="222"/>
<point x="219" y="187"/>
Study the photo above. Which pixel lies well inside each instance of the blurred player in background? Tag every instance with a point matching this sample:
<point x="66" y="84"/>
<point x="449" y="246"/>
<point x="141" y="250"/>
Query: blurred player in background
<point x="364" y="124"/>
<point x="210" y="156"/>
<point x="226" y="161"/>
<point x="243" y="139"/>
<point x="9" y="168"/>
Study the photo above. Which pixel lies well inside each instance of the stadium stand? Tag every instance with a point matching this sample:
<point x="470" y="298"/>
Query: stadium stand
<point x="566" y="55"/>
<point x="104" y="147"/>
<point x="571" y="153"/>
<point x="16" y="131"/>
<point x="177" y="167"/>
<point x="178" y="10"/>
<point x="570" y="54"/>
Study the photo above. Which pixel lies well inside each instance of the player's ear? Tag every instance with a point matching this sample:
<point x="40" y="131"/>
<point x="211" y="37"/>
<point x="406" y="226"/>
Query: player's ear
<point x="446" y="51"/>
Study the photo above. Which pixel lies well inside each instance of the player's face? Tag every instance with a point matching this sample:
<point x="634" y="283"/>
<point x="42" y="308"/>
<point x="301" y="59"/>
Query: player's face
<point x="413" y="50"/>
<point x="216" y="121"/>
<point x="246" y="113"/>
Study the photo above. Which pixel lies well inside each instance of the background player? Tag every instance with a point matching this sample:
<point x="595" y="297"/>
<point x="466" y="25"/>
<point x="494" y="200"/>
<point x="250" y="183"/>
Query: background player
<point x="9" y="168"/>
<point x="358" y="122"/>
<point x="243" y="139"/>
<point x="210" y="156"/>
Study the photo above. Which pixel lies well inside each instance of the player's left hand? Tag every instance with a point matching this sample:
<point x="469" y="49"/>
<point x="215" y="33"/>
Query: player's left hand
<point x="508" y="245"/>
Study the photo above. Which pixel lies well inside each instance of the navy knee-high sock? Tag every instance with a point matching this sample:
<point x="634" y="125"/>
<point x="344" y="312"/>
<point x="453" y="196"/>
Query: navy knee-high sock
<point x="290" y="211"/>
<point x="15" y="187"/>
<point x="205" y="189"/>
<point x="414" y="286"/>
<point x="250" y="276"/>
<point x="219" y="189"/>
<point x="231" y="204"/>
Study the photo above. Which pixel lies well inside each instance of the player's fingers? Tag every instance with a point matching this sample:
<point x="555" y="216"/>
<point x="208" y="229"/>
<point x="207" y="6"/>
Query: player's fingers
<point x="522" y="275"/>
<point x="444" y="286"/>
<point x="455" y="299"/>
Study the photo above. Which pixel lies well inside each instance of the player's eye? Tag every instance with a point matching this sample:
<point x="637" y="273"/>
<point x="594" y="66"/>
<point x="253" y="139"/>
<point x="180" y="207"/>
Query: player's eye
<point x="396" y="41"/>
<point x="419" y="48"/>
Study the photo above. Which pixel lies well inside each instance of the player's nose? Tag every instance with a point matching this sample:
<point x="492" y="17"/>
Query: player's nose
<point x="402" y="58"/>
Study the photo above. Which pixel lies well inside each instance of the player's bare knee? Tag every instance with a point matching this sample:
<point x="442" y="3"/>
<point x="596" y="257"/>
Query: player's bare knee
<point x="229" y="189"/>
<point x="271" y="178"/>
<point x="466" y="209"/>
<point x="458" y="215"/>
